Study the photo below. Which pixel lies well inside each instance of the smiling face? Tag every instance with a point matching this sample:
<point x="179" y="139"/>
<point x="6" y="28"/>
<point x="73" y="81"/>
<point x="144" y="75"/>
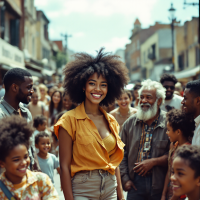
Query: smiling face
<point x="25" y="90"/>
<point x="44" y="145"/>
<point x="183" y="178"/>
<point x="189" y="102"/>
<point x="170" y="87"/>
<point x="124" y="101"/>
<point x="67" y="103"/>
<point x="173" y="135"/>
<point x="96" y="89"/>
<point x="16" y="163"/>
<point x="56" y="98"/>
<point x="34" y="98"/>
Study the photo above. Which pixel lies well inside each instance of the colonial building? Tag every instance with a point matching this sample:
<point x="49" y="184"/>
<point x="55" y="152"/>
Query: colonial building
<point x="11" y="35"/>
<point x="133" y="50"/>
<point x="187" y="57"/>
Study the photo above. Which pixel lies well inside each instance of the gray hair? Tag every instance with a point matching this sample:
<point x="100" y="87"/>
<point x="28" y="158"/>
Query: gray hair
<point x="149" y="84"/>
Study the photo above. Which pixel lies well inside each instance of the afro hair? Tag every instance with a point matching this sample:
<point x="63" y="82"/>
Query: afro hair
<point x="178" y="119"/>
<point x="109" y="66"/>
<point x="168" y="77"/>
<point x="13" y="131"/>
<point x="190" y="153"/>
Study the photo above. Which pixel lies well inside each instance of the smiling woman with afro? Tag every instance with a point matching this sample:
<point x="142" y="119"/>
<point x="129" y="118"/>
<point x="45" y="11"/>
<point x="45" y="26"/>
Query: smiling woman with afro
<point x="97" y="149"/>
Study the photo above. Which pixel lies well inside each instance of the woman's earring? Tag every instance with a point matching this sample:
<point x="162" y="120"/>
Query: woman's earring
<point x="83" y="90"/>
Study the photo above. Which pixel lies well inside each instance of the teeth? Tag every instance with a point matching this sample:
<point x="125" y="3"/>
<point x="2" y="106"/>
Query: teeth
<point x="22" y="169"/>
<point x="96" y="95"/>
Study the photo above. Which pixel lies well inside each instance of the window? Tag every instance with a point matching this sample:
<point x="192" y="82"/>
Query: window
<point x="14" y="32"/>
<point x="138" y="61"/>
<point x="197" y="56"/>
<point x="181" y="62"/>
<point x="138" y="44"/>
<point x="2" y="21"/>
<point x="186" y="57"/>
<point x="144" y="57"/>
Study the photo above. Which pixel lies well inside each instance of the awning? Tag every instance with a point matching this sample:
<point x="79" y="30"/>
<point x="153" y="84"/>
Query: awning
<point x="8" y="67"/>
<point x="34" y="73"/>
<point x="188" y="73"/>
<point x="48" y="72"/>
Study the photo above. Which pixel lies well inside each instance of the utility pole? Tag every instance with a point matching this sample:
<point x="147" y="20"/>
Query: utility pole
<point x="65" y="36"/>
<point x="190" y="4"/>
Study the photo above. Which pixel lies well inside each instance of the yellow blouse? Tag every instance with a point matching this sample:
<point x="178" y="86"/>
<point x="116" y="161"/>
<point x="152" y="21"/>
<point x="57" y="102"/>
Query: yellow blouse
<point x="110" y="143"/>
<point x="89" y="151"/>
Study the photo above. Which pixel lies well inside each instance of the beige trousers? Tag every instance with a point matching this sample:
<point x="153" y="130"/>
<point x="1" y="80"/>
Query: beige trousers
<point x="93" y="185"/>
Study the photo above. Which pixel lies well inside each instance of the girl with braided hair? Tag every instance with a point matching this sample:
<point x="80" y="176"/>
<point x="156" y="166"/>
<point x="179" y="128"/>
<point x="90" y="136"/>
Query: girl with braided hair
<point x="89" y="144"/>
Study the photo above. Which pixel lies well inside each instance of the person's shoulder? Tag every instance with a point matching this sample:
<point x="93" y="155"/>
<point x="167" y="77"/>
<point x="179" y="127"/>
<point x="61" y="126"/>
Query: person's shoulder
<point x="53" y="156"/>
<point x="133" y="110"/>
<point x="113" y="112"/>
<point x="177" y="98"/>
<point x="131" y="120"/>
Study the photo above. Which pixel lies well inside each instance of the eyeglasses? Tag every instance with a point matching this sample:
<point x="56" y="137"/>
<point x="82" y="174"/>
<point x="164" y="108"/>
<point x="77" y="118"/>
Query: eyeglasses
<point x="171" y="87"/>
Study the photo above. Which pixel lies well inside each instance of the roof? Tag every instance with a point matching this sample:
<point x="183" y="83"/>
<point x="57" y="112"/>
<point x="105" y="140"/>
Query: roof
<point x="59" y="44"/>
<point x="137" y="22"/>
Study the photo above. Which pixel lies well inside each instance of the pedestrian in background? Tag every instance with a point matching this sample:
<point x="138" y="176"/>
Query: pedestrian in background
<point x="144" y="166"/>
<point x="36" y="107"/>
<point x="191" y="105"/>
<point x="172" y="100"/>
<point x="136" y="87"/>
<point x="44" y="97"/>
<point x="90" y="170"/>
<point x="55" y="106"/>
<point x="124" y="111"/>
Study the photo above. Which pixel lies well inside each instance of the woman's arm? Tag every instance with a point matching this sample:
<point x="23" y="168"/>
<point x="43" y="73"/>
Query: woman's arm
<point x="164" y="193"/>
<point x="65" y="154"/>
<point x="120" y="194"/>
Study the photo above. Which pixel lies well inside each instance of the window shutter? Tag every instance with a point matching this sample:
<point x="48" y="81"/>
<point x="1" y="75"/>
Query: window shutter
<point x="2" y="17"/>
<point x="14" y="32"/>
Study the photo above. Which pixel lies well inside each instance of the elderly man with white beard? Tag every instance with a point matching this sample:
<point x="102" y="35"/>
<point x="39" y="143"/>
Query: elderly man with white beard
<point x="144" y="166"/>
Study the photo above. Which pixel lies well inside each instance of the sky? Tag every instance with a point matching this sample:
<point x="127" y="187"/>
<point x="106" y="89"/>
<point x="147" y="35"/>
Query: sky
<point x="93" y="24"/>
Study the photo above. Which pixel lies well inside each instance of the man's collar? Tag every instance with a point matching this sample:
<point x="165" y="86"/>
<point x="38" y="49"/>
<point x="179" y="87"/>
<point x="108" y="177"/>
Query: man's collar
<point x="10" y="108"/>
<point x="197" y="120"/>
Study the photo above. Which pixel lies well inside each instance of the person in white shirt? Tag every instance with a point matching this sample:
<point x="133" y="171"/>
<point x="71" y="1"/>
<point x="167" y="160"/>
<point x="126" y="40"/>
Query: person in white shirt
<point x="172" y="100"/>
<point x="191" y="105"/>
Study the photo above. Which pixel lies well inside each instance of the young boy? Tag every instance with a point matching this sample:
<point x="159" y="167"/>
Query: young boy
<point x="185" y="176"/>
<point x="21" y="183"/>
<point x="47" y="161"/>
<point x="36" y="107"/>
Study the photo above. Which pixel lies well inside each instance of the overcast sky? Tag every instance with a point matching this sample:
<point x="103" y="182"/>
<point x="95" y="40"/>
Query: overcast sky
<point x="106" y="23"/>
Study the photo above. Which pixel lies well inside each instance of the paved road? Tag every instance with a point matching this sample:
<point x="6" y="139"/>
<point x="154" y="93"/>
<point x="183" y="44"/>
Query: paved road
<point x="57" y="186"/>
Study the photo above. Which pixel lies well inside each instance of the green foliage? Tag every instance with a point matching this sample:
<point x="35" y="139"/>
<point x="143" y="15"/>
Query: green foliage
<point x="60" y="59"/>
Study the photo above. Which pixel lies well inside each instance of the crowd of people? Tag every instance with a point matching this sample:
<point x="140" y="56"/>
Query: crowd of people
<point x="101" y="138"/>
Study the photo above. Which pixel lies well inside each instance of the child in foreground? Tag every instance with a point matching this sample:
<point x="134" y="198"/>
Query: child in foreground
<point x="22" y="183"/>
<point x="180" y="130"/>
<point x="47" y="161"/>
<point x="185" y="176"/>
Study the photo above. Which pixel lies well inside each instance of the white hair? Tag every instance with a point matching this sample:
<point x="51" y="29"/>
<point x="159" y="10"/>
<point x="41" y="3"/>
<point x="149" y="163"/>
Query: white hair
<point x="149" y="84"/>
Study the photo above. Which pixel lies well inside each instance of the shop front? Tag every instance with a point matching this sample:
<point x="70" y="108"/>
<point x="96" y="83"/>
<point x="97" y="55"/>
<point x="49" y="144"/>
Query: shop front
<point x="10" y="57"/>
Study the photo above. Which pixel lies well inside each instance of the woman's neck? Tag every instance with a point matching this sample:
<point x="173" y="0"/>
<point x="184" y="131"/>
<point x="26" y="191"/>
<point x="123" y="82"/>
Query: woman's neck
<point x="55" y="105"/>
<point x="124" y="111"/>
<point x="91" y="108"/>
<point x="182" y="140"/>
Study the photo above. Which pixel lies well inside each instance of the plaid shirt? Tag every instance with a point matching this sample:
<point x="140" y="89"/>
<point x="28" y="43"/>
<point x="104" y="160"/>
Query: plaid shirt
<point x="145" y="140"/>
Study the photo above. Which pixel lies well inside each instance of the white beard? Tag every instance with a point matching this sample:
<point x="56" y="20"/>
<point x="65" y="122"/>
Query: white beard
<point x="149" y="114"/>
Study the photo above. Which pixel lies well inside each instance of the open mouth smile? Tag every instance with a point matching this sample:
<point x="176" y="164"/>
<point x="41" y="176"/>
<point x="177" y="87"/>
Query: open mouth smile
<point x="96" y="96"/>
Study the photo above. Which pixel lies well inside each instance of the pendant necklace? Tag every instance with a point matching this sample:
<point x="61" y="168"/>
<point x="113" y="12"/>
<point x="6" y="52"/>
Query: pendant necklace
<point x="129" y="112"/>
